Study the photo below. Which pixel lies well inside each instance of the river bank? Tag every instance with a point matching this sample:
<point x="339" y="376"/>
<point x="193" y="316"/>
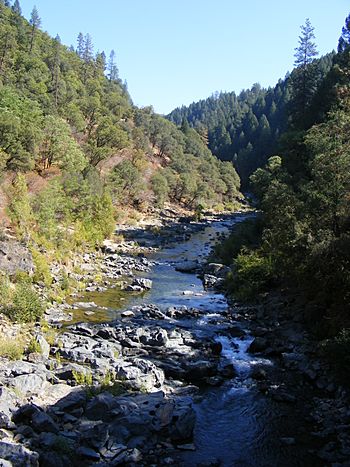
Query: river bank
<point x="168" y="373"/>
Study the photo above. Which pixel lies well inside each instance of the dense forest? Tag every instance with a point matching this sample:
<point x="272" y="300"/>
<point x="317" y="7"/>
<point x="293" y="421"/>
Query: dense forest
<point x="248" y="127"/>
<point x="302" y="239"/>
<point x="74" y="147"/>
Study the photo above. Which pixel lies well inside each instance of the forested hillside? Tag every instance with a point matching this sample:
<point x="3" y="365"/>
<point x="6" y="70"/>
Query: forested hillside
<point x="303" y="241"/>
<point x="247" y="128"/>
<point x="70" y="133"/>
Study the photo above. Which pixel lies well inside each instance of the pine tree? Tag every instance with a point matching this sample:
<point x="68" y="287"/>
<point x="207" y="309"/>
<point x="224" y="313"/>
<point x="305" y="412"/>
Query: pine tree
<point x="344" y="40"/>
<point x="35" y="22"/>
<point x="112" y="68"/>
<point x="81" y="45"/>
<point x="16" y="8"/>
<point x="88" y="49"/>
<point x="304" y="77"/>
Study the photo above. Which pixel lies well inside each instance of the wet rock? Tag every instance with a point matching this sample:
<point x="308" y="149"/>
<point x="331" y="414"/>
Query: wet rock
<point x="258" y="373"/>
<point x="186" y="266"/>
<point x="258" y="345"/>
<point x="127" y="314"/>
<point x="88" y="453"/>
<point x="145" y="284"/>
<point x="217" y="270"/>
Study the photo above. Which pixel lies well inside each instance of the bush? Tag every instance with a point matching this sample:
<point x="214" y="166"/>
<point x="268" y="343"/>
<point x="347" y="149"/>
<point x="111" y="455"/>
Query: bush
<point x="254" y="273"/>
<point x="42" y="271"/>
<point x="11" y="348"/>
<point x="26" y="306"/>
<point x="337" y="350"/>
<point x="5" y="290"/>
<point x="246" y="234"/>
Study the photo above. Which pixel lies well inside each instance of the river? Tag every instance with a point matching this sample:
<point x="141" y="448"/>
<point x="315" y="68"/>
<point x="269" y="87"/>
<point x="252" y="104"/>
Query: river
<point x="237" y="425"/>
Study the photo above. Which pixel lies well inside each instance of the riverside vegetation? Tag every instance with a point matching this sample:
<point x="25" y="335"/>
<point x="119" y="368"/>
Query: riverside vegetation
<point x="77" y="157"/>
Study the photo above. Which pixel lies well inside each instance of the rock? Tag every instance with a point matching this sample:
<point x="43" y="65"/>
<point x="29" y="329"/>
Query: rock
<point x="73" y="400"/>
<point x="43" y="422"/>
<point x="99" y="407"/>
<point x="140" y="374"/>
<point x="45" y="347"/>
<point x="85" y="305"/>
<point x="88" y="453"/>
<point x="211" y="281"/>
<point x="258" y="373"/>
<point x="33" y="384"/>
<point x="288" y="441"/>
<point x="217" y="270"/>
<point x="142" y="282"/>
<point x="15" y="257"/>
<point x="18" y="455"/>
<point x="186" y="266"/>
<point x="127" y="314"/>
<point x="258" y="345"/>
<point x="186" y="447"/>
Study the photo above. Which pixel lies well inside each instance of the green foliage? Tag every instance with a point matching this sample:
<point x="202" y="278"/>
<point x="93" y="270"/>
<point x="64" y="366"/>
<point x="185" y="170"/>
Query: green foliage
<point x="41" y="269"/>
<point x="246" y="234"/>
<point x="11" y="348"/>
<point x="337" y="350"/>
<point x="19" y="208"/>
<point x="34" y="346"/>
<point x="82" y="377"/>
<point x="5" y="290"/>
<point x="160" y="188"/>
<point x="26" y="305"/>
<point x="253" y="273"/>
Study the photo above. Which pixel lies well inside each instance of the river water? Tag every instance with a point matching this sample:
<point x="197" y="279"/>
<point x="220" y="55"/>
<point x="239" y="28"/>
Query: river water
<point x="236" y="424"/>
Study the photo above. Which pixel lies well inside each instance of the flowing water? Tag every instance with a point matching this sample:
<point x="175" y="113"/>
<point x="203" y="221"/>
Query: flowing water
<point x="236" y="424"/>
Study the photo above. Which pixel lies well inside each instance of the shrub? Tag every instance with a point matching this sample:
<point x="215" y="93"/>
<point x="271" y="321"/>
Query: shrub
<point x="34" y="346"/>
<point x="5" y="290"/>
<point x="26" y="306"/>
<point x="337" y="350"/>
<point x="42" y="271"/>
<point x="11" y="348"/>
<point x="254" y="272"/>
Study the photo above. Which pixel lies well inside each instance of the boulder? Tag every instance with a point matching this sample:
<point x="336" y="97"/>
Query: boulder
<point x="18" y="455"/>
<point x="259" y="344"/>
<point x="140" y="374"/>
<point x="187" y="266"/>
<point x="15" y="257"/>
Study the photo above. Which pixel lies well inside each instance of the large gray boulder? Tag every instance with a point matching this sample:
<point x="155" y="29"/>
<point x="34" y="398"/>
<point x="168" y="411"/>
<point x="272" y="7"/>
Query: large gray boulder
<point x="15" y="257"/>
<point x="140" y="374"/>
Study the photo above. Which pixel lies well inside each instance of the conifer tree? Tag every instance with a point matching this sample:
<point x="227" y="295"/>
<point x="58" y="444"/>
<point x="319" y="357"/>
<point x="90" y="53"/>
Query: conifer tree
<point x="304" y="77"/>
<point x="16" y="7"/>
<point x="112" y="67"/>
<point x="81" y="45"/>
<point x="35" y="22"/>
<point x="344" y="40"/>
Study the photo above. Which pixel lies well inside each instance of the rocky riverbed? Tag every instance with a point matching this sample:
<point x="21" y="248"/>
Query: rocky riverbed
<point x="148" y="368"/>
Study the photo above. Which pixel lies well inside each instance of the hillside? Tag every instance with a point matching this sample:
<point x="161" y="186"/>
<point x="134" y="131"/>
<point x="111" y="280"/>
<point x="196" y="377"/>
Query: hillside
<point x="246" y="128"/>
<point x="67" y="118"/>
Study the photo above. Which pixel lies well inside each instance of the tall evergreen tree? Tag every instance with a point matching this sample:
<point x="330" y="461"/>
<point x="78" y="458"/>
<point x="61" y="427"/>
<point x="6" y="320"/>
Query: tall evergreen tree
<point x="35" y="22"/>
<point x="16" y="7"/>
<point x="344" y="40"/>
<point x="112" y="68"/>
<point x="304" y="77"/>
<point x="80" y="45"/>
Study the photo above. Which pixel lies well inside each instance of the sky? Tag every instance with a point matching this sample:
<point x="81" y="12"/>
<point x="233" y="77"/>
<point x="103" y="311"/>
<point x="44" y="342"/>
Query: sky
<point x="174" y="52"/>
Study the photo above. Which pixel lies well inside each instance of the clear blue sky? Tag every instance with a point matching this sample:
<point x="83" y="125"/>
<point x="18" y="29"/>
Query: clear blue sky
<point x="174" y="52"/>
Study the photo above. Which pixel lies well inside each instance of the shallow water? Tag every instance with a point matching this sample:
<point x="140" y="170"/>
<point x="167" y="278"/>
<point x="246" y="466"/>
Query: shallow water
<point x="236" y="425"/>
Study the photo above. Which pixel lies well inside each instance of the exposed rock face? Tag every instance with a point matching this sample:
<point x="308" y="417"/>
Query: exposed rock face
<point x="15" y="257"/>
